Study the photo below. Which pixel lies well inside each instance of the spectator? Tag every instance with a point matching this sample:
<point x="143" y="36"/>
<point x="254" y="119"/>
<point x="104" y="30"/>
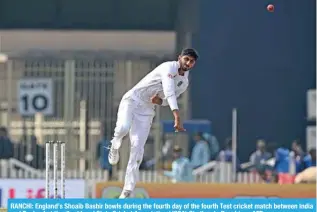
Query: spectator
<point x="201" y="153"/>
<point x="310" y="159"/>
<point x="301" y="158"/>
<point x="227" y="154"/>
<point x="30" y="152"/>
<point x="20" y="150"/>
<point x="213" y="145"/>
<point x="6" y="146"/>
<point x="259" y="157"/>
<point x="297" y="149"/>
<point x="181" y="167"/>
<point x="37" y="155"/>
<point x="102" y="153"/>
<point x="312" y="153"/>
<point x="267" y="174"/>
<point x="282" y="160"/>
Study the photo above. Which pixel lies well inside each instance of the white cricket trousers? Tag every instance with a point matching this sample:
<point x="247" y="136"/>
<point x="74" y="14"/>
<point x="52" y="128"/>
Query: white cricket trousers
<point x="136" y="118"/>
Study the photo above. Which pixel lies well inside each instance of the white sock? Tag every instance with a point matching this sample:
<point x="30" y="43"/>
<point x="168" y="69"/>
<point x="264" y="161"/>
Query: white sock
<point x="125" y="194"/>
<point x="116" y="143"/>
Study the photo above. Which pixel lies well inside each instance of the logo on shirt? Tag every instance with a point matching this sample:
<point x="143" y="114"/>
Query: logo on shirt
<point x="179" y="83"/>
<point x="171" y="76"/>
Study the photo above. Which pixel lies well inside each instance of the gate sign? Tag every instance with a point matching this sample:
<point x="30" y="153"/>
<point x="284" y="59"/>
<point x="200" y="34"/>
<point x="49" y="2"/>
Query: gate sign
<point x="35" y="95"/>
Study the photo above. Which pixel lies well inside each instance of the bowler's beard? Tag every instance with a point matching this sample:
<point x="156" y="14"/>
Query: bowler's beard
<point x="182" y="71"/>
<point x="185" y="69"/>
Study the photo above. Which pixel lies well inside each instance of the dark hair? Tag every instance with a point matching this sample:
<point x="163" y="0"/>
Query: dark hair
<point x="177" y="149"/>
<point x="200" y="134"/>
<point x="297" y="142"/>
<point x="312" y="151"/>
<point x="190" y="52"/>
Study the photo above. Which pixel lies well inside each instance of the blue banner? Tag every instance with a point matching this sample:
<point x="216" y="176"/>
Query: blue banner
<point x="158" y="205"/>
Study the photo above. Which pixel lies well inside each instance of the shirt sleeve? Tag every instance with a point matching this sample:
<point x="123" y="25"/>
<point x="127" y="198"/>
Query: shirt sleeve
<point x="167" y="76"/>
<point x="205" y="154"/>
<point x="165" y="102"/>
<point x="189" y="171"/>
<point x="252" y="158"/>
<point x="195" y="156"/>
<point x="172" y="173"/>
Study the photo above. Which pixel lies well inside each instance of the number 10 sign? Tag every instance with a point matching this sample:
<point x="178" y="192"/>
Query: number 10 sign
<point x="35" y="95"/>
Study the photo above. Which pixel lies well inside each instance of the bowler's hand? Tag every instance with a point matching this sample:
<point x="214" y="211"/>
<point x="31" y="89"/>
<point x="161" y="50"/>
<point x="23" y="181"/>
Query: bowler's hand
<point x="178" y="126"/>
<point x="156" y="100"/>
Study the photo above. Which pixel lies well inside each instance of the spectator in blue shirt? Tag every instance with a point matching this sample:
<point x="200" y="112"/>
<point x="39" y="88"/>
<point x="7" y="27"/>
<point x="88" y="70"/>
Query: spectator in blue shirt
<point x="309" y="159"/>
<point x="102" y="153"/>
<point x="282" y="160"/>
<point x="302" y="159"/>
<point x="312" y="154"/>
<point x="181" y="167"/>
<point x="201" y="153"/>
<point x="227" y="153"/>
<point x="213" y="145"/>
<point x="297" y="148"/>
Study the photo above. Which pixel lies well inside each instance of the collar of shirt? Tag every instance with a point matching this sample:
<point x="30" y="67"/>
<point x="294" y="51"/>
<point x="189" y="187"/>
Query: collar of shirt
<point x="186" y="72"/>
<point x="259" y="153"/>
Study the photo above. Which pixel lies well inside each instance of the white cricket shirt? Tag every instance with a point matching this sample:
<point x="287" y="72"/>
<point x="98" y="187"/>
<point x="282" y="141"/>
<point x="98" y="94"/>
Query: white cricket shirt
<point x="165" y="81"/>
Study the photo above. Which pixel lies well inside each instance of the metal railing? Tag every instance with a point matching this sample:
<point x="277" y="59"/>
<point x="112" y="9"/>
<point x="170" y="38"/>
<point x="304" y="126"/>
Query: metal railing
<point x="9" y="169"/>
<point x="14" y="169"/>
<point x="86" y="93"/>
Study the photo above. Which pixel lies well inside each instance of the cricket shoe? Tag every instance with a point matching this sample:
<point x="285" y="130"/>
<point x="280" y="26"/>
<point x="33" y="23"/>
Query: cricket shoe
<point x="125" y="194"/>
<point x="113" y="156"/>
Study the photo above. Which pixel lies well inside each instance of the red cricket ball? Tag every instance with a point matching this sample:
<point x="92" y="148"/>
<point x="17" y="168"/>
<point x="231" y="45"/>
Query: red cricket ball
<point x="270" y="8"/>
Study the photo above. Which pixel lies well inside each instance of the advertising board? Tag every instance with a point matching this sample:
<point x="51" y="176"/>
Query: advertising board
<point x="35" y="188"/>
<point x="197" y="190"/>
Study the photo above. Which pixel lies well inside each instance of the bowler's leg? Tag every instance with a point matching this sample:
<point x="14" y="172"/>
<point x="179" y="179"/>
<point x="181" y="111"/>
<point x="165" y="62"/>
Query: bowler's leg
<point x="124" y="120"/>
<point x="139" y="132"/>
